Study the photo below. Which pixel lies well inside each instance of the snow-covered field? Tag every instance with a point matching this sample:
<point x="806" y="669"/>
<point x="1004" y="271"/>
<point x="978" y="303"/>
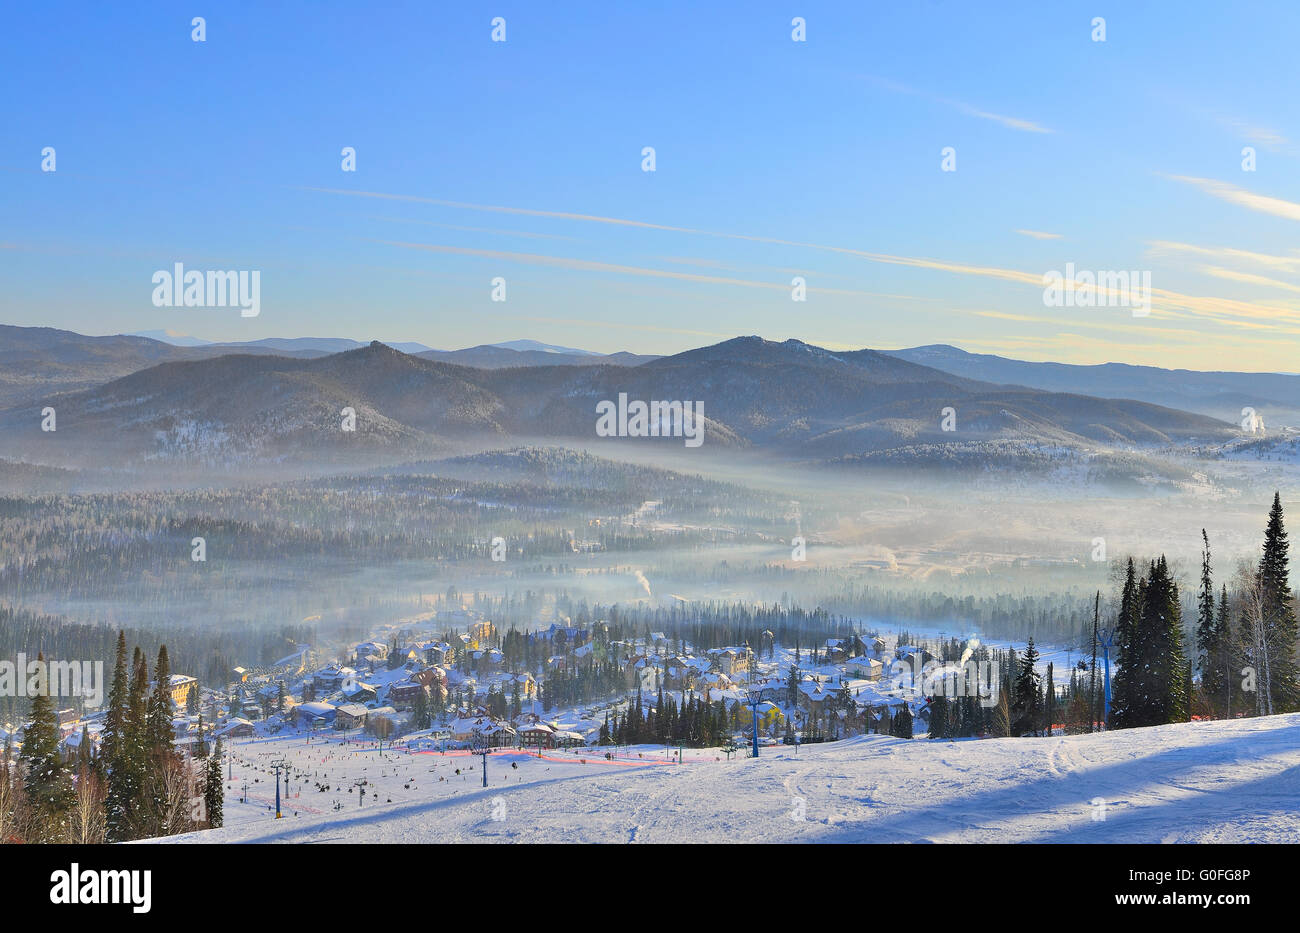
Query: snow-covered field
<point x="1193" y="782"/>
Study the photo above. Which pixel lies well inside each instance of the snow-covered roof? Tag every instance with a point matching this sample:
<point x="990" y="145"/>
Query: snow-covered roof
<point x="814" y="690"/>
<point x="317" y="709"/>
<point x="495" y="727"/>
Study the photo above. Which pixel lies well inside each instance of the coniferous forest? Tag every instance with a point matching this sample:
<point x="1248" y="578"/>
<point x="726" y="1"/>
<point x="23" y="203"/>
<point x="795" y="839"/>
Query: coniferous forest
<point x="135" y="785"/>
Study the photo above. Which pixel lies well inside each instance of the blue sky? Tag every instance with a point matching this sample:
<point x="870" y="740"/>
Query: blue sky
<point x="774" y="159"/>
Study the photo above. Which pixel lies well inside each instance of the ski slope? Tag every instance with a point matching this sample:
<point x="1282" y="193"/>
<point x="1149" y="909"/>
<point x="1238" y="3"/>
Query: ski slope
<point x="1193" y="782"/>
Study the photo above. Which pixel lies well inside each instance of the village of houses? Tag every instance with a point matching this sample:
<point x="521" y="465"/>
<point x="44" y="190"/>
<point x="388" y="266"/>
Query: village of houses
<point x="367" y="694"/>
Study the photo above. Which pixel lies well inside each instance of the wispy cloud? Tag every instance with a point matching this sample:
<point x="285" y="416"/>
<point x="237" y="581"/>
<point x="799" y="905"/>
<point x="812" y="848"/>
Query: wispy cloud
<point x="1227" y="254"/>
<point x="620" y="325"/>
<point x="591" y="265"/>
<point x="1060" y="347"/>
<point x="1248" y="278"/>
<point x="1242" y="197"/>
<point x="1054" y="320"/>
<point x="1011" y="123"/>
<point x="522" y="211"/>
<point x="1251" y="130"/>
<point x="1264" y="136"/>
<point x="490" y="230"/>
<point x="1039" y="235"/>
<point x="696" y="261"/>
<point x="1245" y="314"/>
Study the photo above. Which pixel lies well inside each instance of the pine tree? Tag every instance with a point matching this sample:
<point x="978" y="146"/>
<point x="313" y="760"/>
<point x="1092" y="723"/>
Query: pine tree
<point x="1000" y="720"/>
<point x="1168" y="686"/>
<point x="939" y="716"/>
<point x="972" y="720"/>
<point x="158" y="715"/>
<point x="1125" y="689"/>
<point x="136" y="749"/>
<point x="1223" y="638"/>
<point x="84" y="764"/>
<point x="213" y="792"/>
<point x="903" y="723"/>
<point x="420" y="717"/>
<point x="159" y="748"/>
<point x="47" y="784"/>
<point x="113" y="749"/>
<point x="1029" y="695"/>
<point x="1280" y="625"/>
<point x="1207" y="629"/>
<point x="1152" y="687"/>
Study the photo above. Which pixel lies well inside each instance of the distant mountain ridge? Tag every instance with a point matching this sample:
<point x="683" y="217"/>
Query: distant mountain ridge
<point x="544" y="347"/>
<point x="488" y="355"/>
<point x="37" y="363"/>
<point x="790" y="398"/>
<point x="1276" y="396"/>
<point x="499" y="356"/>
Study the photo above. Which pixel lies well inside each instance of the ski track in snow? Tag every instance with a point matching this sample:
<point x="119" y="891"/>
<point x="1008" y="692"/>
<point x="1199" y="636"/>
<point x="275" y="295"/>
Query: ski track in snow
<point x="1193" y="782"/>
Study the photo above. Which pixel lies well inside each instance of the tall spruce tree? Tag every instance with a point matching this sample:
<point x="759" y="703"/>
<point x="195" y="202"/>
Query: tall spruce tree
<point x="113" y="750"/>
<point x="1000" y="720"/>
<point x="136" y="747"/>
<point x="213" y="793"/>
<point x="84" y="762"/>
<point x="1027" y="715"/>
<point x="1279" y="613"/>
<point x="1207" y="629"/>
<point x="903" y="723"/>
<point x="939" y="716"/>
<point x="47" y="783"/>
<point x="1125" y="683"/>
<point x="420" y="715"/>
<point x="1153" y="675"/>
<point x="159" y="739"/>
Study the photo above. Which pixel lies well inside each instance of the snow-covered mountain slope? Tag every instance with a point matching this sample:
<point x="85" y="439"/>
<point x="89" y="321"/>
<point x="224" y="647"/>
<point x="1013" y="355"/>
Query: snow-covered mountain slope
<point x="1194" y="782"/>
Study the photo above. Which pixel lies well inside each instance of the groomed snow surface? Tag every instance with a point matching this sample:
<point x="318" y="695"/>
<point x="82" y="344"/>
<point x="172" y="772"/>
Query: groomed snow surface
<point x="1235" y="781"/>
